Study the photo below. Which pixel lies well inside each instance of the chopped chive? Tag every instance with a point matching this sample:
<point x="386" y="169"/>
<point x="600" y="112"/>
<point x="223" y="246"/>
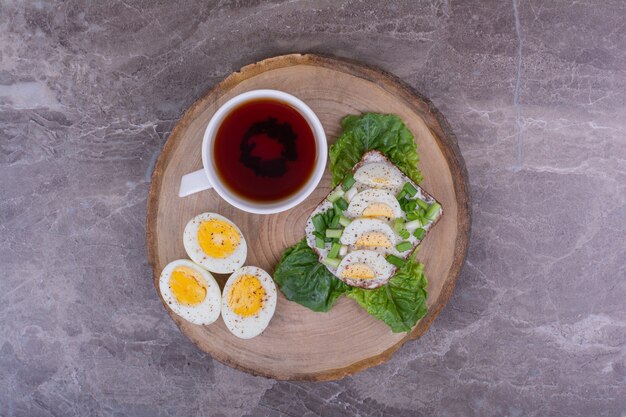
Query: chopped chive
<point x="334" y="250"/>
<point x="341" y="203"/>
<point x="421" y="203"/>
<point x="318" y="223"/>
<point x="348" y="182"/>
<point x="344" y="221"/>
<point x="404" y="234"/>
<point x="411" y="216"/>
<point x="334" y="240"/>
<point x="412" y="225"/>
<point x="401" y="195"/>
<point x="334" y="222"/>
<point x="419" y="233"/>
<point x="409" y="189"/>
<point x="319" y="234"/>
<point x="398" y="225"/>
<point x="349" y="195"/>
<point x="333" y="233"/>
<point x="410" y="206"/>
<point x="332" y="262"/>
<point x="319" y="242"/>
<point x="394" y="260"/>
<point x="404" y="246"/>
<point x="332" y="197"/>
<point x="432" y="211"/>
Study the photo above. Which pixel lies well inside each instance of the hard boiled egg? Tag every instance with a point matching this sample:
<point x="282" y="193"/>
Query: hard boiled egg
<point x="374" y="203"/>
<point x="368" y="233"/>
<point x="379" y="175"/>
<point x="248" y="302"/>
<point x="365" y="269"/>
<point x="190" y="291"/>
<point x="215" y="243"/>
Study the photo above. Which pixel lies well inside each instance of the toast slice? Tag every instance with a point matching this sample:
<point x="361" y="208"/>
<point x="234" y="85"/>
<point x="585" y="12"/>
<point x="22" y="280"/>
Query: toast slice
<point x="392" y="182"/>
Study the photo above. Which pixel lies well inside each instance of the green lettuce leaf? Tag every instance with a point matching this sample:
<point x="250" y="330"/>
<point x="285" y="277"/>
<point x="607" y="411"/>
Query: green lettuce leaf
<point x="303" y="279"/>
<point x="401" y="302"/>
<point x="373" y="131"/>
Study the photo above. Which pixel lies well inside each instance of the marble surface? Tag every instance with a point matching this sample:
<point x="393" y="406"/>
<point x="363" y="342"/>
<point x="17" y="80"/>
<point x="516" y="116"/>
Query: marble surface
<point x="535" y="92"/>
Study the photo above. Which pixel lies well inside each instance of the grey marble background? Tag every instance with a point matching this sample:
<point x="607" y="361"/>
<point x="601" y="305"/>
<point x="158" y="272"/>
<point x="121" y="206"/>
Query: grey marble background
<point x="536" y="93"/>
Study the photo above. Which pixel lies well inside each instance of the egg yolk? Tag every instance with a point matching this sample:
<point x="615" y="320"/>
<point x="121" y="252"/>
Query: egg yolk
<point x="371" y="239"/>
<point x="378" y="210"/>
<point x="246" y="296"/>
<point x="358" y="271"/>
<point x="217" y="238"/>
<point x="188" y="286"/>
<point x="380" y="180"/>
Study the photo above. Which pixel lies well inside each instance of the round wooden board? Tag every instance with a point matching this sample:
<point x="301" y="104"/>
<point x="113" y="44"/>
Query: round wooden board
<point x="299" y="343"/>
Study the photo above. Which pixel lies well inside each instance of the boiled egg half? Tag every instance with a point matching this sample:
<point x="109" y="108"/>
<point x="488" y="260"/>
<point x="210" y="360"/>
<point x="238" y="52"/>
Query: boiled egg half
<point x="190" y="291"/>
<point x="374" y="203"/>
<point x="379" y="175"/>
<point x="215" y="243"/>
<point x="364" y="268"/>
<point x="368" y="233"/>
<point x="248" y="302"/>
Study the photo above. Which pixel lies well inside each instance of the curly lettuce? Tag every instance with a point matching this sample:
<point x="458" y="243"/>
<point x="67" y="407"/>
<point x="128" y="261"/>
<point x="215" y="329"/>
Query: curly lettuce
<point x="374" y="131"/>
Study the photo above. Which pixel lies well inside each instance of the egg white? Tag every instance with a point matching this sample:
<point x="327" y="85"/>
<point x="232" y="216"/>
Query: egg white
<point x="252" y="326"/>
<point x="204" y="313"/>
<point x="194" y="250"/>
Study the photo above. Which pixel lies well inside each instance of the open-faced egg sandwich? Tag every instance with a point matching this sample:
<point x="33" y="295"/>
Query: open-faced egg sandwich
<point x="371" y="222"/>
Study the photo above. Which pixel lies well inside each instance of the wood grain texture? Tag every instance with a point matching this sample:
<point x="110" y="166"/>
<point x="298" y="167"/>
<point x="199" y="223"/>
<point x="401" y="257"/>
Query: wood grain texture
<point x="299" y="343"/>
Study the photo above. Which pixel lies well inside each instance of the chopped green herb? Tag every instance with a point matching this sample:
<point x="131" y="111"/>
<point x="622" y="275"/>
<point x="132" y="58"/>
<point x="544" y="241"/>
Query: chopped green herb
<point x="432" y="211"/>
<point x="404" y="246"/>
<point x="419" y="233"/>
<point x="401" y="196"/>
<point x="412" y="215"/>
<point x="394" y="260"/>
<point x="348" y="182"/>
<point x="341" y="203"/>
<point x="409" y="189"/>
<point x="344" y="221"/>
<point x="334" y="250"/>
<point x="332" y="262"/>
<point x="404" y="234"/>
<point x="421" y="203"/>
<point x="332" y="197"/>
<point x="318" y="223"/>
<point x="398" y="225"/>
<point x="319" y="242"/>
<point x="334" y="233"/>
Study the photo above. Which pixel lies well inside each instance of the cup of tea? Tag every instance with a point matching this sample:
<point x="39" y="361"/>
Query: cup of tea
<point x="264" y="151"/>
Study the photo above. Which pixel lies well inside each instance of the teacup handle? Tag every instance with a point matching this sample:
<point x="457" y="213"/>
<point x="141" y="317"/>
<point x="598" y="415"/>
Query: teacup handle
<point x="194" y="182"/>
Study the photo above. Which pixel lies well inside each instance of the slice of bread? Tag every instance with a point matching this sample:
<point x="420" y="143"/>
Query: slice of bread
<point x="325" y="205"/>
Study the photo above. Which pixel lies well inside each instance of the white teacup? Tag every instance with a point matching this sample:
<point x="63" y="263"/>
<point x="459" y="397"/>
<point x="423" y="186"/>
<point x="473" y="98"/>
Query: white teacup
<point x="207" y="178"/>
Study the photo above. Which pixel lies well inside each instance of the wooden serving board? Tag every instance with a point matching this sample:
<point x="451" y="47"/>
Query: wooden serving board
<point x="299" y="343"/>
